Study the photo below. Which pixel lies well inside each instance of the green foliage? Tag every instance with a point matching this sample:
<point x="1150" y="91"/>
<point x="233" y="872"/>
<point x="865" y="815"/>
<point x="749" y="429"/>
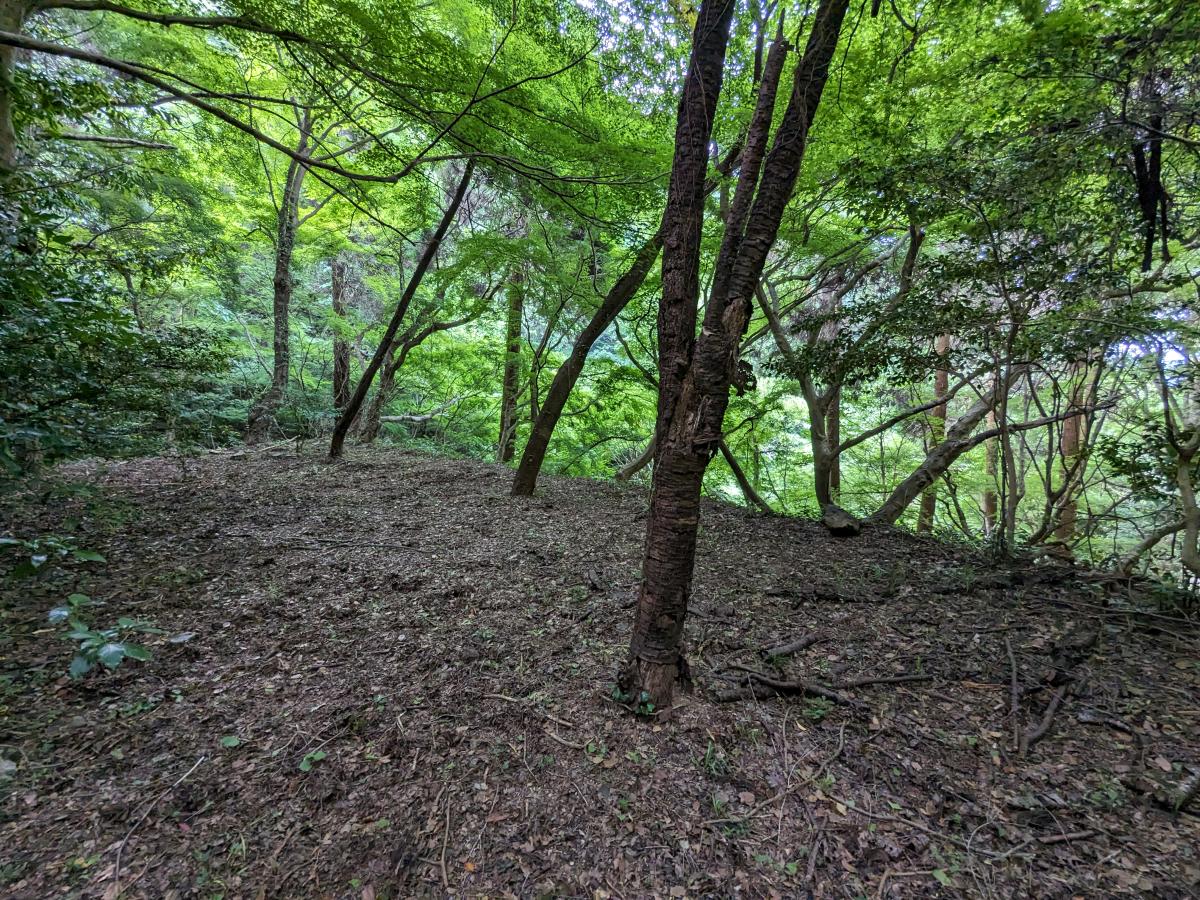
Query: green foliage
<point x="107" y="647"/>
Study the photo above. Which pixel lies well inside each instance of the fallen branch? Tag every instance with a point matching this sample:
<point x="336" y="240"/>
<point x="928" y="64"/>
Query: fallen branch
<point x="1034" y="735"/>
<point x="801" y="643"/>
<point x="776" y="686"/>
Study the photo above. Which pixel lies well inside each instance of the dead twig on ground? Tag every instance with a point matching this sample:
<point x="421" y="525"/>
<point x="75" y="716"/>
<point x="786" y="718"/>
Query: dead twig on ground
<point x="1033" y="735"/>
<point x="142" y="818"/>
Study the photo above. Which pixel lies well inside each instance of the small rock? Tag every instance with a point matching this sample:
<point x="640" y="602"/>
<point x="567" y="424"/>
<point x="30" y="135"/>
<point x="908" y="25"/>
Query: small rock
<point x="839" y="522"/>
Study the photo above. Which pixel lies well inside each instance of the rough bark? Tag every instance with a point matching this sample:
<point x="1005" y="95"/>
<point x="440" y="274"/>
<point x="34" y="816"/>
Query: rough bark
<point x="937" y="433"/>
<point x="341" y="347"/>
<point x="342" y="428"/>
<point x="568" y="373"/>
<point x="12" y="19"/>
<point x="695" y="374"/>
<point x="262" y="413"/>
<point x="655" y="659"/>
<point x="506" y="443"/>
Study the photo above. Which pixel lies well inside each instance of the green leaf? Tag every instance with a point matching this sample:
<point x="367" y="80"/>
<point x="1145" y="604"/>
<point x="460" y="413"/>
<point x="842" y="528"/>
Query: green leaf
<point x="88" y="556"/>
<point x="230" y="741"/>
<point x="943" y="876"/>
<point x="79" y="600"/>
<point x="111" y="654"/>
<point x="80" y="666"/>
<point x="137" y="651"/>
<point x="59" y="614"/>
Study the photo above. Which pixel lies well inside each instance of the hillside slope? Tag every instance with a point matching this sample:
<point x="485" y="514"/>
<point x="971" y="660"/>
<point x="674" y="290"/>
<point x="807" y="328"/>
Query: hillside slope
<point x="399" y="685"/>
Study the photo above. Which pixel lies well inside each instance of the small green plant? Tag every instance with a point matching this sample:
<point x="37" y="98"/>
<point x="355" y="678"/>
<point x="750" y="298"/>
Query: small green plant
<point x="311" y="759"/>
<point x="714" y="761"/>
<point x="817" y="708"/>
<point x="108" y="647"/>
<point x="36" y="552"/>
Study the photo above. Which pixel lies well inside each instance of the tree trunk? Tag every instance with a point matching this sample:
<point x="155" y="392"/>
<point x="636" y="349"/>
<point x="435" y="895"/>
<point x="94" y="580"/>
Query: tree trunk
<point x="341" y="347"/>
<point x="505" y="446"/>
<point x="568" y="373"/>
<point x="833" y="434"/>
<point x="12" y="20"/>
<point x="989" y="492"/>
<point x="958" y="441"/>
<point x="636" y="465"/>
<point x="693" y="395"/>
<point x="342" y="428"/>
<point x="752" y="496"/>
<point x="262" y="413"/>
<point x="937" y="433"/>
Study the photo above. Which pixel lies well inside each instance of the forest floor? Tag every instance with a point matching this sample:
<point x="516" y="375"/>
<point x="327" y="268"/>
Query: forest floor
<point x="399" y="684"/>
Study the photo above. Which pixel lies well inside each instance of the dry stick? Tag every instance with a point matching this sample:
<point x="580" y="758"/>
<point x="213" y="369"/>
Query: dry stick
<point x="1034" y="735"/>
<point x="801" y="643"/>
<point x="798" y="687"/>
<point x="142" y="818"/>
<point x="445" y="840"/>
<point x="1016" y="696"/>
<point x="886" y="679"/>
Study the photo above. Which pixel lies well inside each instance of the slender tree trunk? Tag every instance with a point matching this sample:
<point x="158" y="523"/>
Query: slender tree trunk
<point x="341" y="347"/>
<point x="372" y="421"/>
<point x="568" y="373"/>
<point x="937" y="433"/>
<point x="695" y="374"/>
<point x="12" y="20"/>
<point x="262" y="413"/>
<point x="752" y="496"/>
<point x="833" y="435"/>
<point x="940" y="457"/>
<point x="643" y="459"/>
<point x="506" y="444"/>
<point x="342" y="428"/>
<point x="989" y="492"/>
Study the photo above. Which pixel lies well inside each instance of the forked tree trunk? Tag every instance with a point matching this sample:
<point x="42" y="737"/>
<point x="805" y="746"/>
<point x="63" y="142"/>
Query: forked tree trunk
<point x="262" y="413"/>
<point x="693" y="396"/>
<point x="350" y="413"/>
<point x="568" y="373"/>
<point x="341" y="347"/>
<point x="937" y="433"/>
<point x="1070" y="445"/>
<point x="505" y="445"/>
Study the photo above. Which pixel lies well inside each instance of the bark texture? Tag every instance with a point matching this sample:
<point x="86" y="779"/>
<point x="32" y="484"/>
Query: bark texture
<point x="695" y="375"/>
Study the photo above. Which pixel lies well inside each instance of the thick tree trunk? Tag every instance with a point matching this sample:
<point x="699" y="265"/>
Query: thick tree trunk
<point x="568" y="373"/>
<point x="655" y="660"/>
<point x="262" y="413"/>
<point x="937" y="433"/>
<point x="693" y="395"/>
<point x="350" y="413"/>
<point x="341" y="347"/>
<point x="505" y="445"/>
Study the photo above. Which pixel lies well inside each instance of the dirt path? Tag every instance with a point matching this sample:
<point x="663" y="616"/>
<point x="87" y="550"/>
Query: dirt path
<point x="416" y="669"/>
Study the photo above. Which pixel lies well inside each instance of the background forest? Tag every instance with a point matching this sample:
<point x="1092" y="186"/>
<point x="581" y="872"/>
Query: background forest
<point x="979" y="317"/>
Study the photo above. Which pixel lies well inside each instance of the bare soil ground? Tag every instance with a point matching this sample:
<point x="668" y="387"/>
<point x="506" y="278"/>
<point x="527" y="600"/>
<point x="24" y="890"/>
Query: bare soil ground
<point x="417" y="670"/>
